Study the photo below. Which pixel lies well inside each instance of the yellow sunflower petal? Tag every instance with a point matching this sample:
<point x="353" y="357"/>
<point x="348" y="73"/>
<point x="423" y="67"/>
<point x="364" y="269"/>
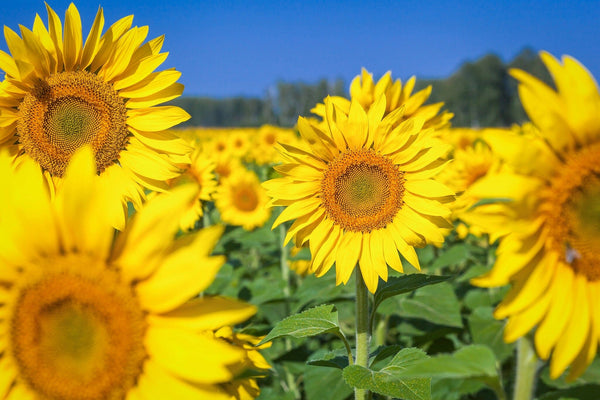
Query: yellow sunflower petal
<point x="205" y="314"/>
<point x="157" y="383"/>
<point x="347" y="255"/>
<point x="552" y="326"/>
<point x="194" y="357"/>
<point x="572" y="340"/>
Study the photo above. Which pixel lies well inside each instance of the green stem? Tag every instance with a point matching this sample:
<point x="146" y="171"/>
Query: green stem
<point x="380" y="332"/>
<point x="283" y="262"/>
<point x="362" y="329"/>
<point x="205" y="217"/>
<point x="526" y="369"/>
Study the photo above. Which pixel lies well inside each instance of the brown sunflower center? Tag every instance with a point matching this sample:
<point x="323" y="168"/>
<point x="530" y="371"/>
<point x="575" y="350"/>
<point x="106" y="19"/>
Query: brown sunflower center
<point x="362" y="190"/>
<point x="78" y="336"/>
<point x="67" y="111"/>
<point x="575" y="213"/>
<point x="245" y="198"/>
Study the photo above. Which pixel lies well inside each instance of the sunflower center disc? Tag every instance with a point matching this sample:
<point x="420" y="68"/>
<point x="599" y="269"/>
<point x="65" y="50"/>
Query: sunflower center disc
<point x="67" y="111"/>
<point x="245" y="199"/>
<point x="362" y="190"/>
<point x="78" y="337"/>
<point x="575" y="216"/>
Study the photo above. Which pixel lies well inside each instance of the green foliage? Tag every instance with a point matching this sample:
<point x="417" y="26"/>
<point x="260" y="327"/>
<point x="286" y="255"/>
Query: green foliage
<point x="437" y="304"/>
<point x="436" y="313"/>
<point x="388" y="381"/>
<point x="318" y="320"/>
<point x="404" y="284"/>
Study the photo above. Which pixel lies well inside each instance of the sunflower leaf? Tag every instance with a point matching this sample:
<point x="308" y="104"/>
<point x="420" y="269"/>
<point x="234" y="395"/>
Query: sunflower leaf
<point x="403" y="284"/>
<point x="388" y="381"/>
<point x="314" y="321"/>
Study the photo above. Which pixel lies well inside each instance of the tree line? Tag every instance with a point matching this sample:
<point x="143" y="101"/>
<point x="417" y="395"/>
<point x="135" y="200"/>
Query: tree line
<point x="480" y="93"/>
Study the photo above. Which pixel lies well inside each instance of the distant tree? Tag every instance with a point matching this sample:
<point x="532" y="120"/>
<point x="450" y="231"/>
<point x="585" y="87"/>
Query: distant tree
<point x="480" y="93"/>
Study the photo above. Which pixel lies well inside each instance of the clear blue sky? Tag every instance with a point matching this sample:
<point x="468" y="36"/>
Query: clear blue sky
<point x="227" y="48"/>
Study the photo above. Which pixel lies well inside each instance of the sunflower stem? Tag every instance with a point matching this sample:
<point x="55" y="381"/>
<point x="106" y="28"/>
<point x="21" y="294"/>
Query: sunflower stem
<point x="205" y="216"/>
<point x="283" y="262"/>
<point x="362" y="329"/>
<point x="526" y="369"/>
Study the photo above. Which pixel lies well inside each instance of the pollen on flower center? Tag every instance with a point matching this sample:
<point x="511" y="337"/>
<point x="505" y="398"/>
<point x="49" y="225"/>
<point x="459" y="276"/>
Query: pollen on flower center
<point x="245" y="199"/>
<point x="78" y="337"/>
<point x="362" y="190"/>
<point x="67" y="111"/>
<point x="574" y="212"/>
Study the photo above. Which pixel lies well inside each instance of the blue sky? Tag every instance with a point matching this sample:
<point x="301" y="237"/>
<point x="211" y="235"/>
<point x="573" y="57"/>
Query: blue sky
<point x="227" y="48"/>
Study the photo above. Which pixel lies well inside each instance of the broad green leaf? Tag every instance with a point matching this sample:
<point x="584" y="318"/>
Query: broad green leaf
<point x="269" y="393"/>
<point x="318" y="290"/>
<point x="583" y="392"/>
<point x="451" y="256"/>
<point x="437" y="304"/>
<point x="591" y="375"/>
<point x="403" y="284"/>
<point x="383" y="352"/>
<point x="454" y="389"/>
<point x="321" y="319"/>
<point x="332" y="359"/>
<point x="387" y="382"/>
<point x="325" y="383"/>
<point x="485" y="329"/>
<point x="474" y="361"/>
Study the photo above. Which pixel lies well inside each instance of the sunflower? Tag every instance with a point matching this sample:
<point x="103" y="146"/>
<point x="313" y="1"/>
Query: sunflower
<point x="201" y="171"/>
<point x="551" y="228"/>
<point x="242" y="201"/>
<point x="365" y="91"/>
<point x="265" y="140"/>
<point x="60" y="93"/>
<point x="245" y="388"/>
<point x="86" y="317"/>
<point x="362" y="190"/>
<point x="239" y="141"/>
<point x="469" y="164"/>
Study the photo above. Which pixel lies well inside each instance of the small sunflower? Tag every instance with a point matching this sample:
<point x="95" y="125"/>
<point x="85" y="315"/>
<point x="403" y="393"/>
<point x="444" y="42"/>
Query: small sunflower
<point x="60" y="93"/>
<point x="263" y="151"/>
<point x="242" y="201"/>
<point x="362" y="190"/>
<point x="239" y="142"/>
<point x="366" y="92"/>
<point x="551" y="228"/>
<point x="86" y="317"/>
<point x="245" y="388"/>
<point x="469" y="165"/>
<point x="201" y="171"/>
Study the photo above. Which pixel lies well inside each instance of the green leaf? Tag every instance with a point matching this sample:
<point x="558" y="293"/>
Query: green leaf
<point x="494" y="200"/>
<point x="583" y="392"/>
<point x="474" y="361"/>
<point x="591" y="375"/>
<point x="485" y="329"/>
<point x="318" y="290"/>
<point x="383" y="352"/>
<point x="453" y="255"/>
<point x="387" y="381"/>
<point x="325" y="383"/>
<point x="333" y="359"/>
<point x="437" y="304"/>
<point x="403" y="284"/>
<point x="321" y="319"/>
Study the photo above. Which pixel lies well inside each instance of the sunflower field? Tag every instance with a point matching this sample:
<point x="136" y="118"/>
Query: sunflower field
<point x="372" y="251"/>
